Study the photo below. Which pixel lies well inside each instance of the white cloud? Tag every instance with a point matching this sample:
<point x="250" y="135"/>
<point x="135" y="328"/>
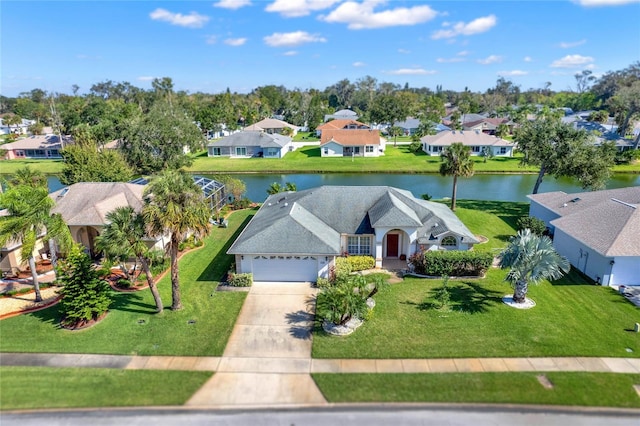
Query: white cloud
<point x="295" y="38"/>
<point x="297" y="8"/>
<point x="290" y="53"/>
<point x="491" y="59"/>
<point x="477" y="26"/>
<point x="450" y="60"/>
<point x="568" y="45"/>
<point x="360" y="16"/>
<point x="235" y="41"/>
<point x="232" y="4"/>
<point x="404" y="51"/>
<point x="595" y="3"/>
<point x="411" y="71"/>
<point x="572" y="61"/>
<point x="145" y="78"/>
<point x="192" y="20"/>
<point x="359" y="64"/>
<point x="512" y="73"/>
<point x="528" y="59"/>
<point x="212" y="39"/>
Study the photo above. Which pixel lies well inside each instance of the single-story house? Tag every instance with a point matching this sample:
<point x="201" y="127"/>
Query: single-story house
<point x="272" y="126"/>
<point x="487" y="125"/>
<point x="341" y="124"/>
<point x="410" y="126"/>
<point x="599" y="231"/>
<point x="16" y="129"/>
<point x="346" y="114"/>
<point x="296" y="236"/>
<point x="41" y="146"/>
<point x="248" y="144"/>
<point x="348" y="143"/>
<point x="84" y="207"/>
<point x="478" y="141"/>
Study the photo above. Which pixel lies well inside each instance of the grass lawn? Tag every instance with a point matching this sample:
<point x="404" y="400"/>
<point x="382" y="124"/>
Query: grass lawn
<point x="41" y="387"/>
<point x="584" y="389"/>
<point x="132" y="327"/>
<point x="572" y="316"/>
<point x="48" y="167"/>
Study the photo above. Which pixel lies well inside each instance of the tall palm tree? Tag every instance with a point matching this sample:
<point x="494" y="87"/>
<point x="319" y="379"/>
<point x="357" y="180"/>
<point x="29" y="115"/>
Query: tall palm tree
<point x="29" y="177"/>
<point x="29" y="217"/>
<point x="531" y="258"/>
<point x="456" y="161"/>
<point x="175" y="206"/>
<point x="123" y="236"/>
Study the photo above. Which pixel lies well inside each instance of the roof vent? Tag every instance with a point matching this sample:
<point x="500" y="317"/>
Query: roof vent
<point x="575" y="200"/>
<point x="62" y="193"/>
<point x="286" y="204"/>
<point x="282" y="199"/>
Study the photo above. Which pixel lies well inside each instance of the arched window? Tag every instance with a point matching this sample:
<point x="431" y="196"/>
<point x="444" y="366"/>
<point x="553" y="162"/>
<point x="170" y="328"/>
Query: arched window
<point x="449" y="241"/>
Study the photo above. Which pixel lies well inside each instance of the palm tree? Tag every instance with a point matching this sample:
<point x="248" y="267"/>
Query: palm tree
<point x="531" y="258"/>
<point x="175" y="206"/>
<point x="28" y="177"/>
<point x="29" y="218"/>
<point x="456" y="161"/>
<point x="274" y="188"/>
<point x="124" y="236"/>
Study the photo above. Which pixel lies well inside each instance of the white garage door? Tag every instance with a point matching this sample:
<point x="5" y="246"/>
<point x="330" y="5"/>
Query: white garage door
<point x="285" y="268"/>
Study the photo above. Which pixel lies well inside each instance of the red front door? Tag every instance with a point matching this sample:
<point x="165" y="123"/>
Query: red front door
<point x="392" y="245"/>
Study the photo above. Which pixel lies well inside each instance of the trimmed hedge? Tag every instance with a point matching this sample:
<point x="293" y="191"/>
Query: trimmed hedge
<point x="451" y="263"/>
<point x="361" y="263"/>
<point x="537" y="226"/>
<point x="240" y="280"/>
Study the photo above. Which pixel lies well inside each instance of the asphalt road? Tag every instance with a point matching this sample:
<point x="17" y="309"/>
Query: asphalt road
<point x="336" y="416"/>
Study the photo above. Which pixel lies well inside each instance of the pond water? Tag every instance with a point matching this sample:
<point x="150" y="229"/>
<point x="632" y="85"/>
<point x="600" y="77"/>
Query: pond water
<point x="502" y="187"/>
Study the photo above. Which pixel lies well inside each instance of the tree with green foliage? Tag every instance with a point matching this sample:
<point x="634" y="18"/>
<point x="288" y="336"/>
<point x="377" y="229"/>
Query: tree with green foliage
<point x="26" y="176"/>
<point x="124" y="236"/>
<point x="456" y="162"/>
<point x="85" y="296"/>
<point x="561" y="150"/>
<point x="276" y="188"/>
<point x="12" y="120"/>
<point x="28" y="219"/>
<point x="531" y="258"/>
<point x="535" y="225"/>
<point x="159" y="139"/>
<point x="175" y="206"/>
<point x="86" y="163"/>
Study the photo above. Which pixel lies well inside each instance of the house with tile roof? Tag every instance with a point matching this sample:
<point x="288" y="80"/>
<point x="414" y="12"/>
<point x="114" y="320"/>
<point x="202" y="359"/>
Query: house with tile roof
<point x="598" y="232"/>
<point x="272" y="126"/>
<point x="247" y="144"/>
<point x="296" y="236"/>
<point x="35" y="147"/>
<point x="341" y="124"/>
<point x="84" y="207"/>
<point x="351" y="143"/>
<point x="476" y="140"/>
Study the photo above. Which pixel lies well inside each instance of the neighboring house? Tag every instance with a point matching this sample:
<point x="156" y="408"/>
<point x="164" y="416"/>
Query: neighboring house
<point x="296" y="236"/>
<point x="348" y="143"/>
<point x="272" y="126"/>
<point x="84" y="207"/>
<point x="601" y="133"/>
<point x="464" y="118"/>
<point x="487" y="125"/>
<point x="476" y="140"/>
<point x="20" y="129"/>
<point x="599" y="231"/>
<point x="33" y="147"/>
<point x="410" y="126"/>
<point x="343" y="114"/>
<point x="341" y="124"/>
<point x="249" y="144"/>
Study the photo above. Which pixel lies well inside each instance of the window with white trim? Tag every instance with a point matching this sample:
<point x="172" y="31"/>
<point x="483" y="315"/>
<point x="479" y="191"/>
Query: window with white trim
<point x="368" y="148"/>
<point x="475" y="148"/>
<point x="449" y="241"/>
<point x="359" y="244"/>
<point x="216" y="151"/>
<point x="241" y="151"/>
<point x="503" y="150"/>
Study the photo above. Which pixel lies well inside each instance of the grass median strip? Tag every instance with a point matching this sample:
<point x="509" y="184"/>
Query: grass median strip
<point x="42" y="387"/>
<point x="582" y="389"/>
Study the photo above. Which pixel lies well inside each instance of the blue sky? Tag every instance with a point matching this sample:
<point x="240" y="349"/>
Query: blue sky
<point x="207" y="46"/>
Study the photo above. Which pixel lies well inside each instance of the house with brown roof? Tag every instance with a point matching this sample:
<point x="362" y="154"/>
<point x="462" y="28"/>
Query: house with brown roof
<point x="478" y="142"/>
<point x="272" y="126"/>
<point x="598" y="232"/>
<point x="341" y="124"/>
<point x="351" y="143"/>
<point x="35" y="147"/>
<point x="487" y="125"/>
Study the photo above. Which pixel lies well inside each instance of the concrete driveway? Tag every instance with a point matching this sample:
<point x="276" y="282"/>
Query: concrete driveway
<point x="267" y="360"/>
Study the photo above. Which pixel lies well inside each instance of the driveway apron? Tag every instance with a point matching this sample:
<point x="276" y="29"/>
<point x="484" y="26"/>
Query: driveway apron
<point x="267" y="360"/>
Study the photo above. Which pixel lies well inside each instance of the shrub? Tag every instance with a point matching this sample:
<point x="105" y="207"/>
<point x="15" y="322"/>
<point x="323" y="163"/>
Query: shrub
<point x="341" y="269"/>
<point x="361" y="263"/>
<point x="242" y="203"/>
<point x="341" y="302"/>
<point x="451" y="263"/>
<point x="323" y="282"/>
<point x="537" y="226"/>
<point x="85" y="296"/>
<point x="240" y="280"/>
<point x="442" y="295"/>
<point x="123" y="283"/>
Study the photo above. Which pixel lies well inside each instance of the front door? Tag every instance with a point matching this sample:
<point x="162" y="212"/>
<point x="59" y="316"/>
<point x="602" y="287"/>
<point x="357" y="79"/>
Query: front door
<point x="392" y="245"/>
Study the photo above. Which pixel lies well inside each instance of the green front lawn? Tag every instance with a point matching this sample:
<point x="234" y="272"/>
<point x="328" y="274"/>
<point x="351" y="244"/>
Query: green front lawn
<point x="202" y="328"/>
<point x="26" y="388"/>
<point x="583" y="389"/>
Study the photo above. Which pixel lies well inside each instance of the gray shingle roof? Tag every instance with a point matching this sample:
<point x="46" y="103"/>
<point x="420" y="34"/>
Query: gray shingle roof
<point x="312" y="221"/>
<point x="87" y="203"/>
<point x="467" y="137"/>
<point x="261" y="139"/>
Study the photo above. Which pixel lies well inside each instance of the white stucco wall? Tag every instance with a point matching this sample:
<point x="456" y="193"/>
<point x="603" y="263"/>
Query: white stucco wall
<point x="586" y="260"/>
<point x="625" y="271"/>
<point x="542" y="213"/>
<point x="333" y="150"/>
